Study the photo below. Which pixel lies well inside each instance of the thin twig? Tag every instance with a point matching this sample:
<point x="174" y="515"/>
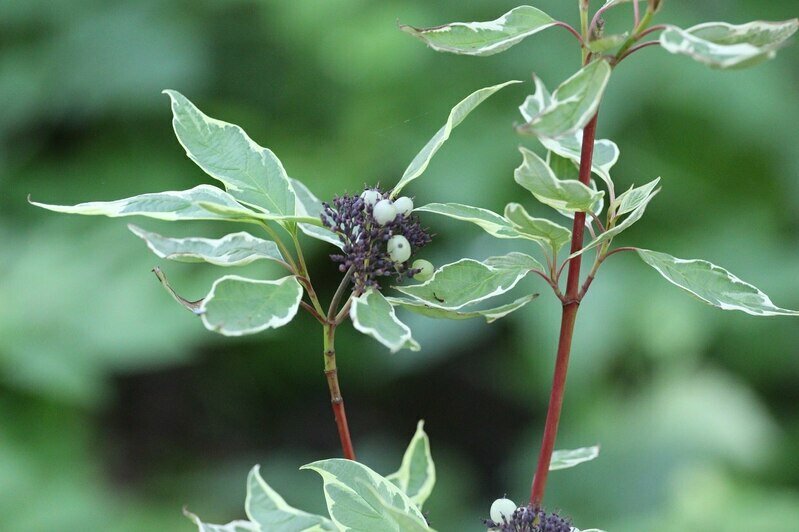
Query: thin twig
<point x="312" y="312"/>
<point x="345" y="282"/>
<point x="598" y="222"/>
<point x="550" y="282"/>
<point x="635" y="49"/>
<point x="571" y="30"/>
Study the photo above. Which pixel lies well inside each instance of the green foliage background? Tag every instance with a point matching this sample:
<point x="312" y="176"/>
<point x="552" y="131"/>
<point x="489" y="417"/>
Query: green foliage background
<point x="117" y="407"/>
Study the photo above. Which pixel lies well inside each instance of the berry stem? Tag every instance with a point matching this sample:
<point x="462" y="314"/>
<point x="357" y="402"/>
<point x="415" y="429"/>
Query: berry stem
<point x="336" y="400"/>
<point x="571" y="303"/>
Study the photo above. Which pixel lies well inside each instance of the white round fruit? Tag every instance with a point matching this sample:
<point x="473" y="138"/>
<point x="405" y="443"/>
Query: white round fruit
<point x="384" y="212"/>
<point x="371" y="196"/>
<point x="404" y="205"/>
<point x="399" y="249"/>
<point x="425" y="268"/>
<point x="502" y="508"/>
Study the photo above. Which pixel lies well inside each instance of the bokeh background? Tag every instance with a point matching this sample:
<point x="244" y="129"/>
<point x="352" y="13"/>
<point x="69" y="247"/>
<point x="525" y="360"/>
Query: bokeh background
<point x="117" y="408"/>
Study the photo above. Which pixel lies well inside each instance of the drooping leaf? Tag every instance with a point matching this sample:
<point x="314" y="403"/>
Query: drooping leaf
<point x="236" y="306"/>
<point x="372" y="314"/>
<point x="722" y="45"/>
<point x="469" y="281"/>
<point x="170" y="205"/>
<point x="566" y="458"/>
<point x="269" y="510"/>
<point x="192" y="306"/>
<point x="456" y="116"/>
<point x="634" y="216"/>
<point x="573" y="103"/>
<point x="632" y="198"/>
<point x="234" y="526"/>
<point x="492" y="223"/>
<point x="309" y="204"/>
<point x="251" y="173"/>
<point x="235" y="249"/>
<point x="713" y="285"/>
<point x="538" y="178"/>
<point x="360" y="500"/>
<point x="490" y="315"/>
<point x="416" y="476"/>
<point x="484" y="38"/>
<point x="545" y="232"/>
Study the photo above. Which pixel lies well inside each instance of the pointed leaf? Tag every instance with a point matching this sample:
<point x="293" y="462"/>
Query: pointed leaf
<point x="634" y="197"/>
<point x="490" y="315"/>
<point x="713" y="285"/>
<point x="310" y="205"/>
<point x="634" y="216"/>
<point x="235" y="249"/>
<point x="456" y="116"/>
<point x="492" y="223"/>
<point x="543" y="231"/>
<point x="372" y="314"/>
<point x="251" y="173"/>
<point x="417" y="474"/>
<point x="539" y="100"/>
<point x="484" y="38"/>
<point x="234" y="526"/>
<point x="170" y="205"/>
<point x="569" y="146"/>
<point x="468" y="281"/>
<point x="573" y="103"/>
<point x="236" y="306"/>
<point x="566" y="458"/>
<point x="192" y="306"/>
<point x="538" y="178"/>
<point x="269" y="510"/>
<point x="722" y="45"/>
<point x="360" y="500"/>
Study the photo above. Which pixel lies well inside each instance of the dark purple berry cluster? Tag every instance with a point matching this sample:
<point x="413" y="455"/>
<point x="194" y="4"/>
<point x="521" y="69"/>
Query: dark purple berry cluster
<point x="530" y="519"/>
<point x="365" y="241"/>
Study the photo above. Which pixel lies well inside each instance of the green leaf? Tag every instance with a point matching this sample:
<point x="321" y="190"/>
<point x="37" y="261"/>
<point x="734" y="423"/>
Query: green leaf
<point x="492" y="223"/>
<point x="360" y="500"/>
<point x="566" y="458"/>
<point x="713" y="285"/>
<point x="538" y="178"/>
<point x="243" y="214"/>
<point x="236" y="306"/>
<point x="416" y="476"/>
<point x="633" y="198"/>
<point x="235" y="249"/>
<point x="484" y="38"/>
<point x="537" y="101"/>
<point x="372" y="314"/>
<point x="269" y="510"/>
<point x="634" y="216"/>
<point x="234" y="526"/>
<point x="490" y="315"/>
<point x="569" y="146"/>
<point x="609" y="42"/>
<point x="192" y="306"/>
<point x="171" y="205"/>
<point x="548" y="234"/>
<point x="722" y="45"/>
<point x="468" y="281"/>
<point x="573" y="103"/>
<point x="251" y="173"/>
<point x="456" y="116"/>
<point x="309" y="204"/>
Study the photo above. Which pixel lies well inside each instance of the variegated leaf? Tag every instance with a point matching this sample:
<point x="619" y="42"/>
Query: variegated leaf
<point x="722" y="45"/>
<point x="573" y="103"/>
<point x="310" y="205"/>
<point x="235" y="249"/>
<point x="456" y="116"/>
<point x="416" y="476"/>
<point x="237" y="306"/>
<point x="713" y="285"/>
<point x="569" y="146"/>
<point x="191" y="306"/>
<point x="538" y="178"/>
<point x="251" y="173"/>
<point x="632" y="198"/>
<point x="234" y="526"/>
<point x="372" y="314"/>
<point x="549" y="234"/>
<point x="484" y="38"/>
<point x="490" y="315"/>
<point x="567" y="458"/>
<point x="489" y="221"/>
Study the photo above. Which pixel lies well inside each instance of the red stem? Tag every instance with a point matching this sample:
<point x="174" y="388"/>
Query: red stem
<point x="336" y="400"/>
<point x="571" y="303"/>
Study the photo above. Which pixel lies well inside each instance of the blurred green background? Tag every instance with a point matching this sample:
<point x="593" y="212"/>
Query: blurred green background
<point x="116" y="406"/>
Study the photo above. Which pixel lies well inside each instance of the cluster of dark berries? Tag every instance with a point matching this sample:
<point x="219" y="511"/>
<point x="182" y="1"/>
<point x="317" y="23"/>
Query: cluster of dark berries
<point x="378" y="236"/>
<point x="530" y="519"/>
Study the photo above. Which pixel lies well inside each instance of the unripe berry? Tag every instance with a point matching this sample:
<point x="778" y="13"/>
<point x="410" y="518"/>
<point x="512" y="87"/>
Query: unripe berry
<point x="425" y="268"/>
<point x="502" y="508"/>
<point x="399" y="249"/>
<point x="371" y="196"/>
<point x="384" y="212"/>
<point x="404" y="205"/>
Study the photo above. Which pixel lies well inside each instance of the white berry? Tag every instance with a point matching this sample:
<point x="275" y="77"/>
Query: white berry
<point x="371" y="196"/>
<point x="384" y="212"/>
<point x="404" y="205"/>
<point x="502" y="508"/>
<point x="399" y="249"/>
<point x="425" y="268"/>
